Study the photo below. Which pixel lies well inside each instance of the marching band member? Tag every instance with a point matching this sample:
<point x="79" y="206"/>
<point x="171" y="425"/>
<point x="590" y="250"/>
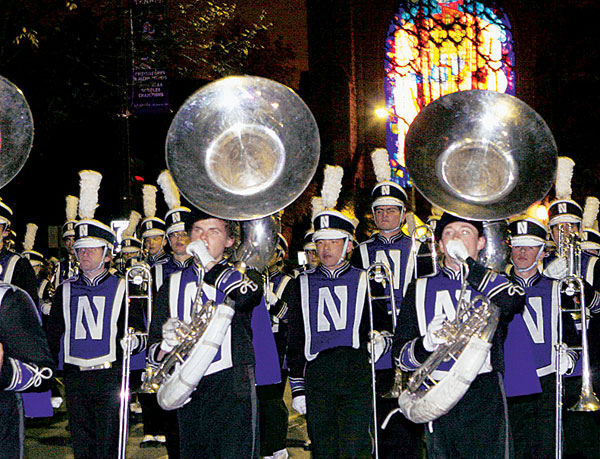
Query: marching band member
<point x="87" y="318"/>
<point x="328" y="320"/>
<point x="153" y="229"/>
<point x="176" y="234"/>
<point x="221" y="419"/>
<point x="477" y="425"/>
<point x="390" y="246"/>
<point x="273" y="414"/>
<point x="531" y="398"/>
<point x="25" y="363"/>
<point x="67" y="267"/>
<point x="14" y="268"/>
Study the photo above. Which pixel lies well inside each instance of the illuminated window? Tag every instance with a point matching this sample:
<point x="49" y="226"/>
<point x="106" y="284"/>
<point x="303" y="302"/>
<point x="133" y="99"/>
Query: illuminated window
<point x="437" y="48"/>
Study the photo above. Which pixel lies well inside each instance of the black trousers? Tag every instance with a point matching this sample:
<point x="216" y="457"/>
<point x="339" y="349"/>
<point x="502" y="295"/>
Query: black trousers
<point x="93" y="407"/>
<point x="532" y="421"/>
<point x="339" y="407"/>
<point x="221" y="420"/>
<point x="401" y="437"/>
<point x="12" y="432"/>
<point x="477" y="427"/>
<point x="273" y="416"/>
<point x="157" y="421"/>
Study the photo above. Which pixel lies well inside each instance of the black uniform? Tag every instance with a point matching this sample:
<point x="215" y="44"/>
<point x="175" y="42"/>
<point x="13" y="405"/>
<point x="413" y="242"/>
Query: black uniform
<point x="220" y="420"/>
<point x="27" y="364"/>
<point x="477" y="426"/>
<point x="87" y="317"/>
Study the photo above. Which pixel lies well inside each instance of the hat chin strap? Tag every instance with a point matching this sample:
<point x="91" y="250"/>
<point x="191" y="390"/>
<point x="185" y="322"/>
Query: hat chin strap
<point x="343" y="256"/>
<point x="537" y="258"/>
<point x="101" y="264"/>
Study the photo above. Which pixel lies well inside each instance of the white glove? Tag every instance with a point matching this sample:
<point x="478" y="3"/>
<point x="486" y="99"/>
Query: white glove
<point x="199" y="250"/>
<point x="557" y="268"/>
<point x="456" y="249"/>
<point x="377" y="345"/>
<point x="299" y="404"/>
<point x="567" y="362"/>
<point x="134" y="340"/>
<point x="270" y="298"/>
<point x="431" y="341"/>
<point x="169" y="335"/>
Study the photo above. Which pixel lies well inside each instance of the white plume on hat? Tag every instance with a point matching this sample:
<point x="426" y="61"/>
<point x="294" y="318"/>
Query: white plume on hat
<point x="71" y="207"/>
<point x="317" y="206"/>
<point x="134" y="219"/>
<point x="381" y="164"/>
<point x="564" y="173"/>
<point x="590" y="212"/>
<point x="89" y="184"/>
<point x="332" y="185"/>
<point x="169" y="189"/>
<point x="30" y="233"/>
<point x="149" y="196"/>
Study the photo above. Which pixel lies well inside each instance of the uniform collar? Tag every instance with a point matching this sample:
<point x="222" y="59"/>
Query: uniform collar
<point x="96" y="280"/>
<point x="336" y="272"/>
<point x="390" y="240"/>
<point x="527" y="282"/>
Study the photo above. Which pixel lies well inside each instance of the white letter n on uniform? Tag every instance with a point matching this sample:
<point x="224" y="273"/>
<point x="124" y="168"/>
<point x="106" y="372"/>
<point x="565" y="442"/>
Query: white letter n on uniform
<point x="326" y="300"/>
<point x="94" y="323"/>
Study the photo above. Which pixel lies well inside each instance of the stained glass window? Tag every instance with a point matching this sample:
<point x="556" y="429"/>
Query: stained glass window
<point x="437" y="48"/>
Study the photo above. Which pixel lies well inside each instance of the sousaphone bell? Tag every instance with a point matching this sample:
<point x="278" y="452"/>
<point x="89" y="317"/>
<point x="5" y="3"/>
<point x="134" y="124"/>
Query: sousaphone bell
<point x="480" y="154"/>
<point x="16" y="130"/>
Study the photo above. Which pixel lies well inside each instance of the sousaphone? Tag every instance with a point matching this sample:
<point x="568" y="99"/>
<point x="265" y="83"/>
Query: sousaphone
<point x="16" y="130"/>
<point x="243" y="147"/>
<point x="482" y="155"/>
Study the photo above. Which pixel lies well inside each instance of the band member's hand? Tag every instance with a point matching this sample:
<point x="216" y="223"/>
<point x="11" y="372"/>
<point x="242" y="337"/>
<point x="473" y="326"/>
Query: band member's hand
<point x="134" y="341"/>
<point x="299" y="404"/>
<point x="431" y="340"/>
<point x="169" y="335"/>
<point x="557" y="268"/>
<point x="379" y="344"/>
<point x="1" y="355"/>
<point x="456" y="249"/>
<point x="270" y="298"/>
<point x="567" y="363"/>
<point x="199" y="250"/>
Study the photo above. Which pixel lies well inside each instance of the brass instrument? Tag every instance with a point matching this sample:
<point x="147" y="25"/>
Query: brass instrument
<point x="573" y="286"/>
<point x="240" y="148"/>
<point x="16" y="131"/>
<point x="482" y="155"/>
<point x="424" y="251"/>
<point x="138" y="286"/>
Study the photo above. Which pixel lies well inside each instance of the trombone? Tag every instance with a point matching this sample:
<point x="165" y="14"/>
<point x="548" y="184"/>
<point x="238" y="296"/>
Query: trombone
<point x="138" y="286"/>
<point x="573" y="286"/>
<point x="381" y="273"/>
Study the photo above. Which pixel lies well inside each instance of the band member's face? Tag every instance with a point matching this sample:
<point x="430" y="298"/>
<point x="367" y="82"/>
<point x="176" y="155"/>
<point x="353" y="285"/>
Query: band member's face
<point x="4" y="232"/>
<point x="69" y="241"/>
<point x="129" y="255"/>
<point x="568" y="228"/>
<point x="214" y="233"/>
<point x="312" y="258"/>
<point x="154" y="244"/>
<point x="387" y="218"/>
<point x="331" y="250"/>
<point x="524" y="257"/>
<point x="467" y="233"/>
<point x="179" y="241"/>
<point x="91" y="259"/>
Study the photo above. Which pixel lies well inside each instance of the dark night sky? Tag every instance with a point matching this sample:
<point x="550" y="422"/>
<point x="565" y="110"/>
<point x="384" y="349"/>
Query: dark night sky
<point x="37" y="193"/>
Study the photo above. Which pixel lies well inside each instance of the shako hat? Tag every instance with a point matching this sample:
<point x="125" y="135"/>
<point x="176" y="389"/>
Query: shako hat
<point x="564" y="209"/>
<point x="386" y="192"/>
<point x="88" y="231"/>
<point x="5" y="214"/>
<point x="527" y="232"/>
<point x="151" y="224"/>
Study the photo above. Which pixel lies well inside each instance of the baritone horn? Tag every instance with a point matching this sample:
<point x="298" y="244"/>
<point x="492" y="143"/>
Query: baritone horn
<point x="241" y="148"/>
<point x="481" y="155"/>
